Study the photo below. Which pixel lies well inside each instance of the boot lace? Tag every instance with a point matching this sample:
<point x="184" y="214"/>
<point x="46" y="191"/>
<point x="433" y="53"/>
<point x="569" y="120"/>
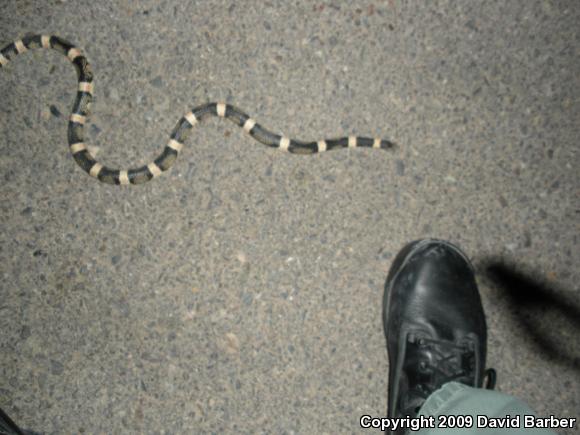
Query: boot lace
<point x="451" y="362"/>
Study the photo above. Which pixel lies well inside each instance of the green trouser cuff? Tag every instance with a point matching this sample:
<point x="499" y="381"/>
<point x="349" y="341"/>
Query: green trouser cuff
<point x="485" y="407"/>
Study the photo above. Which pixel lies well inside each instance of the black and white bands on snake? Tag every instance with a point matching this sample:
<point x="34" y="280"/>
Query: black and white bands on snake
<point x="165" y="160"/>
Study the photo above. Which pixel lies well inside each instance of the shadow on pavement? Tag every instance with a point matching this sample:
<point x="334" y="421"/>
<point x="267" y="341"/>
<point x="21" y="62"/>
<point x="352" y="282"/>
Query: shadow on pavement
<point x="549" y="315"/>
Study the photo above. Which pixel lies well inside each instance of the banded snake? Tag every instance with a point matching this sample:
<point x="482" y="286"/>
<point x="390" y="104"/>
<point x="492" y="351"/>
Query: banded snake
<point x="81" y="112"/>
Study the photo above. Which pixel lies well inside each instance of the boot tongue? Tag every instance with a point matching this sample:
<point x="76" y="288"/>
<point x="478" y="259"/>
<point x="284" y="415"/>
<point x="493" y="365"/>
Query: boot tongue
<point x="431" y="363"/>
<point x="411" y="403"/>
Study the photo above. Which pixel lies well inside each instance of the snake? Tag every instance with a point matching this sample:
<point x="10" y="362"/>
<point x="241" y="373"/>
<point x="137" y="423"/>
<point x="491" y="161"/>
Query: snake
<point x="165" y="160"/>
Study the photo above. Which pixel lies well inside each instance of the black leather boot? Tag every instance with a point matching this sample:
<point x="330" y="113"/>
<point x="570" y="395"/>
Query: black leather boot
<point x="434" y="324"/>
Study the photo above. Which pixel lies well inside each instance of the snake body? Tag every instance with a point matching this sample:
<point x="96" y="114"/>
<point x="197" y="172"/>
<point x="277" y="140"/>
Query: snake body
<point x="81" y="112"/>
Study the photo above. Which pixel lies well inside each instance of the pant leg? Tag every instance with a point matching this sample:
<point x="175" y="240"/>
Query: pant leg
<point x="458" y="399"/>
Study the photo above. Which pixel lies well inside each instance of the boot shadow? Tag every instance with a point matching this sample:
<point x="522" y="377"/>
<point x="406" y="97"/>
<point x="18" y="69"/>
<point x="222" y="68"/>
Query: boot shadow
<point x="549" y="315"/>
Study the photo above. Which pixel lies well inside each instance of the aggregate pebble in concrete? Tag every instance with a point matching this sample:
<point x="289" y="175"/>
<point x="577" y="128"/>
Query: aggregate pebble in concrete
<point x="241" y="292"/>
